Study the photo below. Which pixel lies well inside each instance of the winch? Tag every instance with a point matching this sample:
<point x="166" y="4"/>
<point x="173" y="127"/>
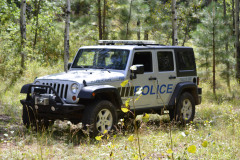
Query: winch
<point x="41" y="97"/>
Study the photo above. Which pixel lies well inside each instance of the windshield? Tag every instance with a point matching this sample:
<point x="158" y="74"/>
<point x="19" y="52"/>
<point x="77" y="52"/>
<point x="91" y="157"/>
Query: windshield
<point x="101" y="59"/>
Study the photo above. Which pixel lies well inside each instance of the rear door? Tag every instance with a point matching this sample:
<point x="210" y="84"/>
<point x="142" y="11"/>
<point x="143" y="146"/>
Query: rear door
<point x="166" y="75"/>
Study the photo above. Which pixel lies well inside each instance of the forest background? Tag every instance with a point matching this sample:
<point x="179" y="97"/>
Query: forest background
<point x="207" y="26"/>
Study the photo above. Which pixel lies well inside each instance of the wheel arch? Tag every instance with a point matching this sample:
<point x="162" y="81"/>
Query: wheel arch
<point x="184" y="87"/>
<point x="104" y="92"/>
<point x="25" y="87"/>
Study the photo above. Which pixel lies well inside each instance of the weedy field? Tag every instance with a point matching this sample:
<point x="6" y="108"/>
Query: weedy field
<point x="214" y="133"/>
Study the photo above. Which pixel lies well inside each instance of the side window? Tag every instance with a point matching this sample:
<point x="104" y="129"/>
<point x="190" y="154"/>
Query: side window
<point x="165" y="61"/>
<point x="144" y="58"/>
<point x="185" y="60"/>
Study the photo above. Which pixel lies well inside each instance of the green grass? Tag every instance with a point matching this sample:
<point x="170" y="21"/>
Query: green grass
<point x="221" y="131"/>
<point x="217" y="121"/>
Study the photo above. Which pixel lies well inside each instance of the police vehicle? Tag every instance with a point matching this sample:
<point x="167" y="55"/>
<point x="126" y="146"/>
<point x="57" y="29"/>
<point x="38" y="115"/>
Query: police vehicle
<point x="90" y="92"/>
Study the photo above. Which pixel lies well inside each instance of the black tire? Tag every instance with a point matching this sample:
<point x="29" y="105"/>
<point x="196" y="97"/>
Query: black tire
<point x="31" y="120"/>
<point x="185" y="109"/>
<point x="92" y="113"/>
<point x="28" y="116"/>
<point x="171" y="114"/>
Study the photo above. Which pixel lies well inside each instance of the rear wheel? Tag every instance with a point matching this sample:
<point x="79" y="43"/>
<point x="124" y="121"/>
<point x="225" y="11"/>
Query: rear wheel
<point x="185" y="109"/>
<point x="99" y="116"/>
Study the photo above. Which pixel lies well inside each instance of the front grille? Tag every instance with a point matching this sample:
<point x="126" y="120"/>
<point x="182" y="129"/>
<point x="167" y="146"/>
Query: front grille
<point x="61" y="89"/>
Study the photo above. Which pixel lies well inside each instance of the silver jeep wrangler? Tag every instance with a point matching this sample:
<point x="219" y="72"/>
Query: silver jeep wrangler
<point x="90" y="92"/>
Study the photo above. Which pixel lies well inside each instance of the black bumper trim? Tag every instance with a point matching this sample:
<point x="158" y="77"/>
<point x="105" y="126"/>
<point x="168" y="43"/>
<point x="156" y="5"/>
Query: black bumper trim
<point x="59" y="107"/>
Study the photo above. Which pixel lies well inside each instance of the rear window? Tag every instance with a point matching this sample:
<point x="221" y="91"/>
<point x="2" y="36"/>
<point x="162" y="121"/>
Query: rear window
<point x="185" y="60"/>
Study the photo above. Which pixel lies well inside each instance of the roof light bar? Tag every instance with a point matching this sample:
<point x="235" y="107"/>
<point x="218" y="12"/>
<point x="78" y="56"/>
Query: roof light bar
<point x="126" y="42"/>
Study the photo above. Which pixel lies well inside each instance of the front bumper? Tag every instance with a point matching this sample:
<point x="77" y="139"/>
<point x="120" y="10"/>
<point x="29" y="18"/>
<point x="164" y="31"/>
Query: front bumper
<point x="56" y="106"/>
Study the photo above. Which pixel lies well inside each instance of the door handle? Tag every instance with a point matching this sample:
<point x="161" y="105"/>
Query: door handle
<point x="172" y="77"/>
<point x="152" y="78"/>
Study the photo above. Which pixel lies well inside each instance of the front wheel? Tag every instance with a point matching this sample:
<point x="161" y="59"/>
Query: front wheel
<point x="28" y="116"/>
<point x="31" y="120"/>
<point x="100" y="116"/>
<point x="185" y="109"/>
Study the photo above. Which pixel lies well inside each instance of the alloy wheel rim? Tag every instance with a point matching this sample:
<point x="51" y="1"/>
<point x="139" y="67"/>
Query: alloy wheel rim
<point x="104" y="120"/>
<point x="186" y="109"/>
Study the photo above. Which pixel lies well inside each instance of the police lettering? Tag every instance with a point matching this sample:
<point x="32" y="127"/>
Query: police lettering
<point x="164" y="88"/>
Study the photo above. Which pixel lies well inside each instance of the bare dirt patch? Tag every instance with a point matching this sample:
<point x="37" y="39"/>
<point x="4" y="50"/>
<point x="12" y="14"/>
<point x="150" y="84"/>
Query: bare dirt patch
<point x="5" y="118"/>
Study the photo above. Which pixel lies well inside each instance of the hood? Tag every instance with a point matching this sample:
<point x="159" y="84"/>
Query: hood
<point x="94" y="76"/>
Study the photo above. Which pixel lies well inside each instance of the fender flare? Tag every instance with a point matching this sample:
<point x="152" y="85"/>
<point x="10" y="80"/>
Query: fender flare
<point x="184" y="86"/>
<point x="25" y="88"/>
<point x="87" y="92"/>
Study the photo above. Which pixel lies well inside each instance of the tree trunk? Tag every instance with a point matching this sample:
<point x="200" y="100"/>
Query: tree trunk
<point x="129" y="18"/>
<point x="226" y="47"/>
<point x="99" y="20"/>
<point x="66" y="36"/>
<point x="174" y="24"/>
<point x="104" y="19"/>
<point x="138" y="32"/>
<point x="233" y="17"/>
<point x="146" y="35"/>
<point x="23" y="33"/>
<point x="237" y="39"/>
<point x="185" y="35"/>
<point x="36" y="29"/>
<point x="214" y="83"/>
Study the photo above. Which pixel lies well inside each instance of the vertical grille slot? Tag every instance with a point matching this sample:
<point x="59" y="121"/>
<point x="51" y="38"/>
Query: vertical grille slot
<point x="66" y="89"/>
<point x="61" y="94"/>
<point x="50" y="89"/>
<point x="54" y="86"/>
<point x="58" y="88"/>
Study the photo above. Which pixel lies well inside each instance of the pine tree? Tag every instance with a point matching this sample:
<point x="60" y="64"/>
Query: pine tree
<point x="210" y="38"/>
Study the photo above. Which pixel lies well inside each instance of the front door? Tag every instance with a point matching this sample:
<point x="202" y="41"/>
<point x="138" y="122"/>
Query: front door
<point x="145" y="80"/>
<point x="166" y="75"/>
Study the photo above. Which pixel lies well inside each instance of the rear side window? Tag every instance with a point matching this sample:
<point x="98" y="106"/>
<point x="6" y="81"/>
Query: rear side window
<point x="185" y="60"/>
<point x="165" y="61"/>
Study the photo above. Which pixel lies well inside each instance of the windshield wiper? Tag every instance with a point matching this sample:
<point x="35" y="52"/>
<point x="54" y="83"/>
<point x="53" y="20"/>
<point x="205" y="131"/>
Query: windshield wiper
<point x="79" y="67"/>
<point x="101" y="67"/>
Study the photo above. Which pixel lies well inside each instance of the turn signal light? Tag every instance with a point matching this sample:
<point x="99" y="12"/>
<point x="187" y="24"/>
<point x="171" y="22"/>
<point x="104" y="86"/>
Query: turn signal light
<point x="74" y="98"/>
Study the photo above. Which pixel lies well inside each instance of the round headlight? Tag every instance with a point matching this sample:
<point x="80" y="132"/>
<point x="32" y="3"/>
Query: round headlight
<point x="37" y="82"/>
<point x="74" y="88"/>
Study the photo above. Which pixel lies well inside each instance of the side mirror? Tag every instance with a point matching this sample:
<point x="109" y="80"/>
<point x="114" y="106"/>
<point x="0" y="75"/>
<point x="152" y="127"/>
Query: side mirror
<point x="69" y="65"/>
<point x="139" y="70"/>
